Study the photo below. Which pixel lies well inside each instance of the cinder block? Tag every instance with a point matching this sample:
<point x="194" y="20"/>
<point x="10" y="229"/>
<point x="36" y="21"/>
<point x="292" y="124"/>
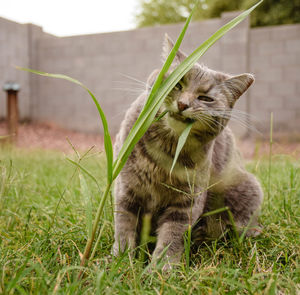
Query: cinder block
<point x="259" y="62"/>
<point x="284" y="88"/>
<point x="269" y="48"/>
<point x="298" y="89"/>
<point x="292" y="73"/>
<point x="233" y="48"/>
<point x="269" y="74"/>
<point x="293" y="46"/>
<point x="285" y="32"/>
<point x="258" y="35"/>
<point x="268" y="102"/>
<point x="259" y="89"/>
<point x="292" y="102"/>
<point x="285" y="60"/>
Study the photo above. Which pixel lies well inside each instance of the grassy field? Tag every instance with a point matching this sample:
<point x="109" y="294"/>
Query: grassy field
<point x="44" y="217"/>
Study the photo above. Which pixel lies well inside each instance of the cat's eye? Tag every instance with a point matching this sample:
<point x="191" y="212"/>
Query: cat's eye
<point x="178" y="86"/>
<point x="205" y="98"/>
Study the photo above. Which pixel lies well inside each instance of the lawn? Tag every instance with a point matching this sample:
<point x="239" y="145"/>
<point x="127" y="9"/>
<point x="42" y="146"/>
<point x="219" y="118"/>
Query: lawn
<point x="44" y="217"/>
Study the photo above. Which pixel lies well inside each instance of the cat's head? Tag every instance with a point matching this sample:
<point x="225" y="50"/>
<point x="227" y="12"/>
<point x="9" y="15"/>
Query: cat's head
<point x="203" y="95"/>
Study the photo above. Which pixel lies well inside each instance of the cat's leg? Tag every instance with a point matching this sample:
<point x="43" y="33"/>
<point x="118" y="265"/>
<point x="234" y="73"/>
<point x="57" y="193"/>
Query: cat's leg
<point x="127" y="210"/>
<point x="171" y="228"/>
<point x="244" y="200"/>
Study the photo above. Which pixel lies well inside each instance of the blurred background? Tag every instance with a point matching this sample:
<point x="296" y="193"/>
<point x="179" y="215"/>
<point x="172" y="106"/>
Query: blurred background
<point x="112" y="47"/>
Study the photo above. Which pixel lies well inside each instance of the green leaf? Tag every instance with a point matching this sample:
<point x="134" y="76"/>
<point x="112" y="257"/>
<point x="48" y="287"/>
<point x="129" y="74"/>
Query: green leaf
<point x="169" y="59"/>
<point x="181" y="141"/>
<point x="107" y="138"/>
<point x="150" y="109"/>
<point x="158" y="94"/>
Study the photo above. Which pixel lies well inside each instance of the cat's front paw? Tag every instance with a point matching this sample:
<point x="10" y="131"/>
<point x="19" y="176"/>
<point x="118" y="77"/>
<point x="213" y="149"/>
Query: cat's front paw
<point x="164" y="266"/>
<point x="164" y="261"/>
<point x="118" y="248"/>
<point x="254" y="231"/>
<point x="121" y="245"/>
<point x="167" y="267"/>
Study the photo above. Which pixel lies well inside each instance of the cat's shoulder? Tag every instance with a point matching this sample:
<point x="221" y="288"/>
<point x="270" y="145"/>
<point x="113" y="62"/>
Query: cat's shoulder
<point x="131" y="115"/>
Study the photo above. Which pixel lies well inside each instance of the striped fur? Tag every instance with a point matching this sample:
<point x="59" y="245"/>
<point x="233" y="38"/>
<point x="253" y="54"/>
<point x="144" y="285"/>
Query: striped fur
<point x="209" y="173"/>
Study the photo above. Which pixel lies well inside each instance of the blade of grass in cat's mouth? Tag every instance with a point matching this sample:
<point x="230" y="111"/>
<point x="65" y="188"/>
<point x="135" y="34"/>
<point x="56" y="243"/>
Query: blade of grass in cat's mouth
<point x="181" y="118"/>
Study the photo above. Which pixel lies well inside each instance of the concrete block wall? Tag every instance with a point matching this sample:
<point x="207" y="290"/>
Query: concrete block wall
<point x="103" y="62"/>
<point x="275" y="61"/>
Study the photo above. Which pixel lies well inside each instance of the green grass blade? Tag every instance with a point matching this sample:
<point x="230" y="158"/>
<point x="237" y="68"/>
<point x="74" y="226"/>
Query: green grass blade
<point x="187" y="247"/>
<point x="85" y="171"/>
<point x="88" y="204"/>
<point x="150" y="109"/>
<point x="161" y="116"/>
<point x="170" y="58"/>
<point x="107" y="138"/>
<point x="157" y="97"/>
<point x="181" y="141"/>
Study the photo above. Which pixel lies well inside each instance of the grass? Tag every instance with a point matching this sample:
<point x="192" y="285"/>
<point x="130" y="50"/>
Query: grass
<point x="44" y="226"/>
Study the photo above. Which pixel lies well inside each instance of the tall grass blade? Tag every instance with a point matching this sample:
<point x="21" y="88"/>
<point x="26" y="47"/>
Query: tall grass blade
<point x="170" y="58"/>
<point x="187" y="246"/>
<point x="85" y="171"/>
<point x="107" y="138"/>
<point x="150" y="109"/>
<point x="181" y="141"/>
<point x="88" y="204"/>
<point x="157" y="97"/>
<point x="145" y="236"/>
<point x="270" y="159"/>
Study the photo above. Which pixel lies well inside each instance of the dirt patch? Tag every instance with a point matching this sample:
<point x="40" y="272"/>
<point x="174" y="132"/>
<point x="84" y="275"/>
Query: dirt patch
<point x="253" y="148"/>
<point x="51" y="137"/>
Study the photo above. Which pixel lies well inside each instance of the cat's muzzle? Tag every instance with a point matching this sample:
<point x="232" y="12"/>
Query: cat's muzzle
<point x="181" y="118"/>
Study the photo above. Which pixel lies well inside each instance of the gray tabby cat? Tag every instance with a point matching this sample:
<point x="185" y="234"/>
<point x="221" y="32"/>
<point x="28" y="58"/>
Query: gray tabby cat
<point x="209" y="173"/>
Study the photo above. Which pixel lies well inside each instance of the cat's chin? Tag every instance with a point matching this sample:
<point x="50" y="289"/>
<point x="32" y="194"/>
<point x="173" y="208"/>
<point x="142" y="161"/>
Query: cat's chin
<point x="180" y="118"/>
<point x="177" y="122"/>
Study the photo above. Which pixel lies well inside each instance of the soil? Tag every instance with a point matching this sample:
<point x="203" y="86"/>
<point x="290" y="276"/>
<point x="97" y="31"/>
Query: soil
<point x="51" y="137"/>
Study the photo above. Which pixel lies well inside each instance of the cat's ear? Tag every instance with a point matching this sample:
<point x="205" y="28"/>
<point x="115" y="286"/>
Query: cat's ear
<point x="167" y="47"/>
<point x="151" y="79"/>
<point x="237" y="85"/>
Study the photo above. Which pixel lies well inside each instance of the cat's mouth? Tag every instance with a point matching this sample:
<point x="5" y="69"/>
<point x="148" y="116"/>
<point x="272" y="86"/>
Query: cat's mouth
<point x="181" y="118"/>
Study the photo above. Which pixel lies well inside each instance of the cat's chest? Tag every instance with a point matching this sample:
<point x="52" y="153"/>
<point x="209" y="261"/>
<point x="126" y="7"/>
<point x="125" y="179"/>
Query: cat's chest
<point x="191" y="166"/>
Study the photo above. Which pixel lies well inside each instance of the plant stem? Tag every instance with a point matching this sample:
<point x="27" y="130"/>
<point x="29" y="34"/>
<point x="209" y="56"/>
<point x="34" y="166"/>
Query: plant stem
<point x="145" y="236"/>
<point x="270" y="158"/>
<point x="90" y="241"/>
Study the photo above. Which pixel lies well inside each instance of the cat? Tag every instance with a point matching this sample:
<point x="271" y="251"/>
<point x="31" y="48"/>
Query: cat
<point x="208" y="175"/>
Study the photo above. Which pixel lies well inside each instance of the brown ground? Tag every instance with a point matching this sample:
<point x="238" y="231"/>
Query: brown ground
<point x="47" y="136"/>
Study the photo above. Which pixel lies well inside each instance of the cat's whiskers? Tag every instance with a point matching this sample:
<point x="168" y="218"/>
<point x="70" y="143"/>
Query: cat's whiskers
<point x="208" y="121"/>
<point x="134" y="79"/>
<point x="215" y="122"/>
<point x="134" y="90"/>
<point x="235" y="115"/>
<point x="201" y="114"/>
<point x="239" y="113"/>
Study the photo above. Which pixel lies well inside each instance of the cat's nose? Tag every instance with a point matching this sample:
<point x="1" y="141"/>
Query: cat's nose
<point x="182" y="106"/>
